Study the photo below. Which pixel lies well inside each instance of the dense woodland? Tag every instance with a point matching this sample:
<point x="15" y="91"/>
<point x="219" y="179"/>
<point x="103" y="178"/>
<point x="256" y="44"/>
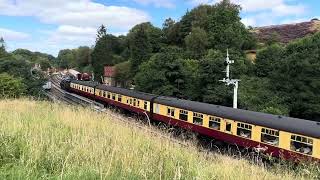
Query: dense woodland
<point x="17" y="75"/>
<point x="185" y="59"/>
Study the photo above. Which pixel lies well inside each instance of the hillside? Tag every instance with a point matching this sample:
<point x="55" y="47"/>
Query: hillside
<point x="40" y="140"/>
<point x="287" y="32"/>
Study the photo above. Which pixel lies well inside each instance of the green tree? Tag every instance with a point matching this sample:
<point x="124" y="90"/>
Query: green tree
<point x="256" y="94"/>
<point x="197" y="43"/>
<point x="19" y="68"/>
<point x="201" y="16"/>
<point x="44" y="63"/>
<point x="83" y="56"/>
<point x="123" y="73"/>
<point x="210" y="72"/>
<point x="11" y="87"/>
<point x="140" y="46"/>
<point x="268" y="60"/>
<point x="298" y="78"/>
<point x="3" y="51"/>
<point x="164" y="74"/>
<point x="67" y="58"/>
<point x="225" y="27"/>
<point x="102" y="32"/>
<point x="185" y="26"/>
<point x="273" y="39"/>
<point x="171" y="30"/>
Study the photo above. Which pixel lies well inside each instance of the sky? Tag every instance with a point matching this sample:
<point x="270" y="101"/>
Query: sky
<point x="51" y="25"/>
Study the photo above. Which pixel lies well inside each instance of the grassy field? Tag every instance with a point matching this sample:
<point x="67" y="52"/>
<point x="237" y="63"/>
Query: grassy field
<point x="40" y="140"/>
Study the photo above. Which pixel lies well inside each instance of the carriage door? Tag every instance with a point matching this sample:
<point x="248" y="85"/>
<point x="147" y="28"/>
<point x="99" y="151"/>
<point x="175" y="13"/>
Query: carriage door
<point x="156" y="109"/>
<point x="228" y="127"/>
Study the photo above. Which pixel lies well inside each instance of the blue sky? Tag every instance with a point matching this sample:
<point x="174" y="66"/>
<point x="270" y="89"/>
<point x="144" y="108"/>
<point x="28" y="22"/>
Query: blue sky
<point x="51" y="25"/>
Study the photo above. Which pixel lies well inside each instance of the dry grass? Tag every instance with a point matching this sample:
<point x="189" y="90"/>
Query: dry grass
<point x="316" y="26"/>
<point x="40" y="140"/>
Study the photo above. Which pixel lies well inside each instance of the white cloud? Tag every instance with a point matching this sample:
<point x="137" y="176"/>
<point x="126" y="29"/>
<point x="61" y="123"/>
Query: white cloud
<point x="77" y="21"/>
<point x="284" y="10"/>
<point x="259" y="12"/>
<point x="10" y="35"/>
<point x="157" y="3"/>
<point x="278" y="6"/>
<point x="74" y="12"/>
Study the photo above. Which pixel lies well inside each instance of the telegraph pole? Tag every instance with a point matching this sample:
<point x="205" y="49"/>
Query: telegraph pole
<point x="232" y="82"/>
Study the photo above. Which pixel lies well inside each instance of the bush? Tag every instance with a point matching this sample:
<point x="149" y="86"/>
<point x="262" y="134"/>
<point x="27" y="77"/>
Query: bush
<point x="11" y="86"/>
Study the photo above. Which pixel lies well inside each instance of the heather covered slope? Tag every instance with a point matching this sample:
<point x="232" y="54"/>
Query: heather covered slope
<point x="287" y="32"/>
<point x="40" y="140"/>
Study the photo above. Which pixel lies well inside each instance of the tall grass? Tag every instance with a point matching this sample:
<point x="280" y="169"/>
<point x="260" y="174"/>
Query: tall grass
<point x="40" y="140"/>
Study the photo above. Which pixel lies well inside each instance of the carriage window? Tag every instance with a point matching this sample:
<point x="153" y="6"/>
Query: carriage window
<point x="145" y="106"/>
<point x="198" y="118"/>
<point x="109" y="95"/>
<point x="301" y="144"/>
<point x="270" y="136"/>
<point x="170" y="112"/>
<point x="214" y="123"/>
<point x="105" y="94"/>
<point x="244" y="130"/>
<point x="130" y="101"/>
<point x="113" y="96"/>
<point x="134" y="102"/>
<point x="183" y="115"/>
<point x="228" y="127"/>
<point x="138" y="103"/>
<point x="119" y="98"/>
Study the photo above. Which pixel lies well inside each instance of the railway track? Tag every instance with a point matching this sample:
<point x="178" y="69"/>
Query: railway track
<point x="59" y="95"/>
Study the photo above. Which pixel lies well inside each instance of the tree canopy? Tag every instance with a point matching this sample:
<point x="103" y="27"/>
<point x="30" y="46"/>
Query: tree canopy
<point x="185" y="59"/>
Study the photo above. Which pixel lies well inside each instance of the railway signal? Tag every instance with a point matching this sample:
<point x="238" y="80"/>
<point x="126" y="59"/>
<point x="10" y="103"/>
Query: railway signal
<point x="231" y="82"/>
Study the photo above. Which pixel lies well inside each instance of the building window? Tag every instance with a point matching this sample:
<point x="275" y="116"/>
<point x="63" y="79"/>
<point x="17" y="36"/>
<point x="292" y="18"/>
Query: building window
<point x="197" y="118"/>
<point x="113" y="96"/>
<point x="270" y="136"/>
<point x="244" y="130"/>
<point x="170" y="112"/>
<point x="214" y="123"/>
<point x="301" y="144"/>
<point x="183" y="115"/>
<point x="119" y="98"/>
<point x="145" y="105"/>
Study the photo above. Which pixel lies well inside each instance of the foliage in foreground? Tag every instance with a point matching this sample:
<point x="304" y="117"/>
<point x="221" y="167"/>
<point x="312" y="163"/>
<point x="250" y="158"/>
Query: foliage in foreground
<point x="11" y="86"/>
<point x="39" y="140"/>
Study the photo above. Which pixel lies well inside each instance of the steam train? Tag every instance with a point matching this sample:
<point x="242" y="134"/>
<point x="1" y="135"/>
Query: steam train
<point x="278" y="136"/>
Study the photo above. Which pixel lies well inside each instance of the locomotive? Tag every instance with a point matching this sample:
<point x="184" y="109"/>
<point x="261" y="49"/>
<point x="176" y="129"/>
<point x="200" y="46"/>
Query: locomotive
<point x="278" y="136"/>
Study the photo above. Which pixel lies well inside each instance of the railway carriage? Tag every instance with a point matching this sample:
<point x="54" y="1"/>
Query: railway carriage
<point x="130" y="100"/>
<point x="276" y="135"/>
<point x="279" y="136"/>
